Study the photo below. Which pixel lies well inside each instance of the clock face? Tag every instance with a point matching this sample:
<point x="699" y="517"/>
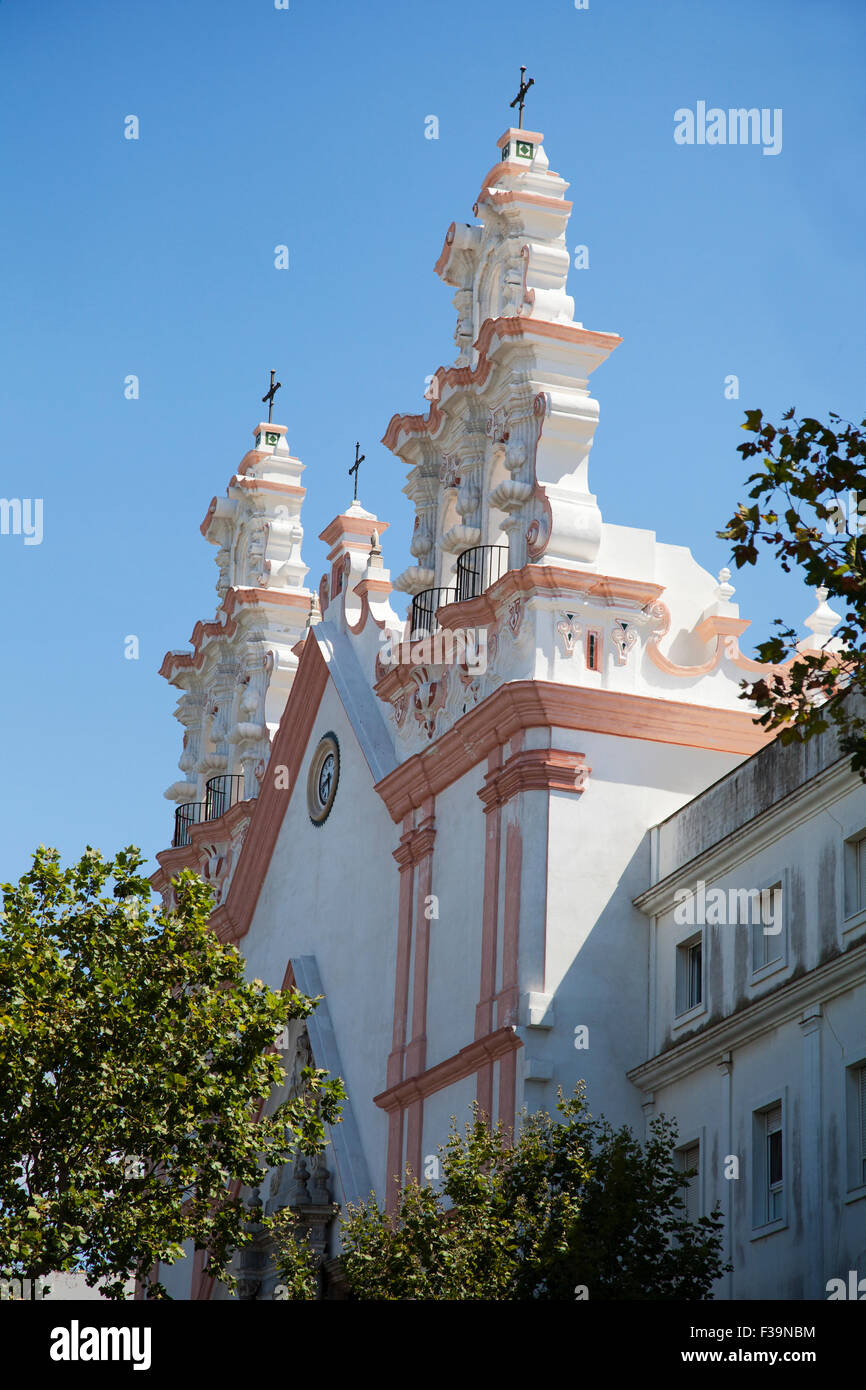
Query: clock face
<point x="326" y="778"/>
<point x="323" y="779"/>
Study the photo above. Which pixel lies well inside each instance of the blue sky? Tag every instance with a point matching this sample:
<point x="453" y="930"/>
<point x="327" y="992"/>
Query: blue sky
<point x="306" y="127"/>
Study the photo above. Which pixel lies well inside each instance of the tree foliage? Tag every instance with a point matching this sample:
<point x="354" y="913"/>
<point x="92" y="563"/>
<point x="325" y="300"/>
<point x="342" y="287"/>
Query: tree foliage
<point x="808" y="503"/>
<point x="134" y="1066"/>
<point x="570" y="1208"/>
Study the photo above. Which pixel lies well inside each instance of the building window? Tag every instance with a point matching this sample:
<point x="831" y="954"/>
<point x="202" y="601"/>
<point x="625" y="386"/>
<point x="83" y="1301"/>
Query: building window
<point x="690" y="1158"/>
<point x="690" y="983"/>
<point x="769" y="1165"/>
<point x="768" y="946"/>
<point x="593" y="650"/>
<point x="855" y="875"/>
<point x="856" y="1116"/>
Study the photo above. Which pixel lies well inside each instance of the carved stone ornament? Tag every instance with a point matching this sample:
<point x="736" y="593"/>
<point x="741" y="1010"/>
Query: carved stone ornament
<point x="569" y="630"/>
<point x="624" y="638"/>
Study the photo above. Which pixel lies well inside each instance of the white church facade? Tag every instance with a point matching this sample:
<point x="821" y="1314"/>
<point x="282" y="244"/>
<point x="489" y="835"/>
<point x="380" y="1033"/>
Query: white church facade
<point x="545" y="840"/>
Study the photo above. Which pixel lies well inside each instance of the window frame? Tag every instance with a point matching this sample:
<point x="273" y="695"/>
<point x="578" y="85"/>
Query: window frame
<point x="760" y="969"/>
<point x="593" y="643"/>
<point x="853" y="901"/>
<point x="769" y="1215"/>
<point x="854" y="1081"/>
<point x="683" y="1009"/>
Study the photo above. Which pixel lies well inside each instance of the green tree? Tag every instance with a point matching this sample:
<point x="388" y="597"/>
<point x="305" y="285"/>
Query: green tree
<point x="133" y="1075"/>
<point x="570" y="1205"/>
<point x="808" y="503"/>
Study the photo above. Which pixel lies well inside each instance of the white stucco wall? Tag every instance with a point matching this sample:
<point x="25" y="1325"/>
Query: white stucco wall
<point x="331" y="891"/>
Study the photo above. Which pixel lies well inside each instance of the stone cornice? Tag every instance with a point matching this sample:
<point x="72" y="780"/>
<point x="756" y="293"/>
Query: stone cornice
<point x="463" y="1063"/>
<point x="535" y="769"/>
<point x="173" y="662"/>
<point x="550" y="581"/>
<point x="499" y="329"/>
<point x="415" y="845"/>
<point x="530" y="704"/>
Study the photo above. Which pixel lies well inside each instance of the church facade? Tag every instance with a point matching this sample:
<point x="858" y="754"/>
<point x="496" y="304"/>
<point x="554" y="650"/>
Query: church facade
<point x="525" y="832"/>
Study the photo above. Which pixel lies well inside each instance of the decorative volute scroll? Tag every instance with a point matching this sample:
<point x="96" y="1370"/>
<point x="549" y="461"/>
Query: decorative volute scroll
<point x="501" y="458"/>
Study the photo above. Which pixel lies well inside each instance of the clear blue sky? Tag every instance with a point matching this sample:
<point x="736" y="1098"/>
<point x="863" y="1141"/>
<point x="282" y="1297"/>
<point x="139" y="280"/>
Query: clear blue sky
<point x="306" y="127"/>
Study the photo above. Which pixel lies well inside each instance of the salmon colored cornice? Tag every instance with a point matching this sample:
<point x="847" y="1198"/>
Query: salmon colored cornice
<point x="516" y="195"/>
<point x="553" y="581"/>
<point x="535" y="769"/>
<point x="268" y="427"/>
<point x="178" y="661"/>
<point x="294" y="599"/>
<point x="267" y="485"/>
<point x="463" y="1063"/>
<point x="249" y="460"/>
<point x="518" y="133"/>
<point x="343" y="526"/>
<point x="545" y="704"/>
<point x="232" y="920"/>
<point x="519" y="326"/>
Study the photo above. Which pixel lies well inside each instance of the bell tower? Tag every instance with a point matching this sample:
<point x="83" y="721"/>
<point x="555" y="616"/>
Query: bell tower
<point x="235" y="682"/>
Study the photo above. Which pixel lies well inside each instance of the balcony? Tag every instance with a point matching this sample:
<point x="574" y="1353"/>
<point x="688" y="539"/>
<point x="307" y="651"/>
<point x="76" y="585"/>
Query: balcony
<point x="221" y="793"/>
<point x="424" y="607"/>
<point x="478" y="568"/>
<point x="184" y="817"/>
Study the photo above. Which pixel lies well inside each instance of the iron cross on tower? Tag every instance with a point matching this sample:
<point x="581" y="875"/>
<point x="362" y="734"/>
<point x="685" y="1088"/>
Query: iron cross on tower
<point x="521" y="95"/>
<point x="269" y="395"/>
<point x="354" y="469"/>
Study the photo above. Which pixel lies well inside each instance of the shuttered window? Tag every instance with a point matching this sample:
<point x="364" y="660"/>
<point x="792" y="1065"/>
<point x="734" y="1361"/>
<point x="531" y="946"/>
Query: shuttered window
<point x="862" y="1088"/>
<point x="690" y="1158"/>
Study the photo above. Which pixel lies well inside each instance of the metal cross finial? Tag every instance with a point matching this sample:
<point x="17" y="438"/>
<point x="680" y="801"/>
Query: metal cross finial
<point x="521" y="95"/>
<point x="269" y="395"/>
<point x="355" y="467"/>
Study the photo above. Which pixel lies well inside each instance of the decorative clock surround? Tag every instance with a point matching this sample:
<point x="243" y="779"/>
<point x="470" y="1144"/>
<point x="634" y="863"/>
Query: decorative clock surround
<point x="324" y="775"/>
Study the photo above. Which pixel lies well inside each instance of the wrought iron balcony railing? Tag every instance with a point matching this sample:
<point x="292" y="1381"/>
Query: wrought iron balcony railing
<point x="478" y="568"/>
<point x="424" y="606"/>
<point x="221" y="793"/>
<point x="184" y="817"/>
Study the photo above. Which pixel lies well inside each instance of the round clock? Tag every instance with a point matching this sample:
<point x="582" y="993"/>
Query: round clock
<point x="323" y="778"/>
